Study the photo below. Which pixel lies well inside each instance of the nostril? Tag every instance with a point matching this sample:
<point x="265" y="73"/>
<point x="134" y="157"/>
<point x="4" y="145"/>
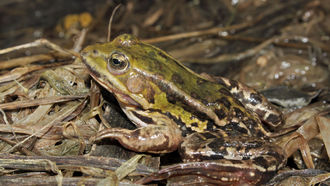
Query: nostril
<point x="84" y="54"/>
<point x="95" y="52"/>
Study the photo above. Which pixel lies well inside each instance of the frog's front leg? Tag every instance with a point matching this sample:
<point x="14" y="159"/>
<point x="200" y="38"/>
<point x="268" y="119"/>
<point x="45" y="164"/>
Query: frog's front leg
<point x="161" y="138"/>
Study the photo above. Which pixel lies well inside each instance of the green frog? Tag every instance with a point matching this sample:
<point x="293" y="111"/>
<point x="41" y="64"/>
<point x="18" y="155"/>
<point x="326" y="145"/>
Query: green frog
<point x="217" y="125"/>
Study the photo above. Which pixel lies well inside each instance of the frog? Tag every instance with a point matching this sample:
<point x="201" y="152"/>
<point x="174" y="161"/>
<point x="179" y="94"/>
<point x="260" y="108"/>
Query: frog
<point x="211" y="121"/>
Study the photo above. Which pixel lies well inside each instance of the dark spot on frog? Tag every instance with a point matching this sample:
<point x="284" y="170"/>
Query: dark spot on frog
<point x="220" y="113"/>
<point x="210" y="126"/>
<point x="245" y="157"/>
<point x="200" y="115"/>
<point x="145" y="119"/>
<point x="216" y="143"/>
<point x="163" y="86"/>
<point x="209" y="135"/>
<point x="224" y="101"/>
<point x="194" y="124"/>
<point x="238" y="102"/>
<point x="151" y="95"/>
<point x="260" y="113"/>
<point x="255" y="99"/>
<point x="260" y="134"/>
<point x="176" y="78"/>
<point x="171" y="98"/>
<point x="233" y="84"/>
<point x="261" y="161"/>
<point x="252" y="145"/>
<point x="239" y="96"/>
<point x="198" y="138"/>
<point x="279" y="157"/>
<point x="218" y="147"/>
<point x="156" y="66"/>
<point x="218" y="155"/>
<point x="237" y="162"/>
<point x="181" y="124"/>
<point x="161" y="54"/>
<point x="194" y="95"/>
<point x="135" y="134"/>
<point x="252" y="125"/>
<point x="200" y="81"/>
<point x="225" y="92"/>
<point x="220" y="81"/>
<point x="152" y="54"/>
<point x="273" y="118"/>
<point x="234" y="126"/>
<point x="238" y="113"/>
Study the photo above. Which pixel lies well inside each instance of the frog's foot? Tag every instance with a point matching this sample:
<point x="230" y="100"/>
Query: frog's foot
<point x="219" y="172"/>
<point x="152" y="138"/>
<point x="312" y="127"/>
<point x="296" y="141"/>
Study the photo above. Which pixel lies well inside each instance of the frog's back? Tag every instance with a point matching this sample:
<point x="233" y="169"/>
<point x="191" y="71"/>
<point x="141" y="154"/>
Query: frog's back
<point x="207" y="96"/>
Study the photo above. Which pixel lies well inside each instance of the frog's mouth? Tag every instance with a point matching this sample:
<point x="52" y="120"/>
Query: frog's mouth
<point x="121" y="97"/>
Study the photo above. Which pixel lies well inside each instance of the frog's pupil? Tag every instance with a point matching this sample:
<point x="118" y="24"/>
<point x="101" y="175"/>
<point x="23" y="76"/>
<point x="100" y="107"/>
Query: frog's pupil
<point x="116" y="62"/>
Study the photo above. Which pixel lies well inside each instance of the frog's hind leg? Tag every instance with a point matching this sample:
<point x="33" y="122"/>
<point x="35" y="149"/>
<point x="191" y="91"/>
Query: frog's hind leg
<point x="219" y="160"/>
<point x="220" y="172"/>
<point x="251" y="99"/>
<point x="264" y="155"/>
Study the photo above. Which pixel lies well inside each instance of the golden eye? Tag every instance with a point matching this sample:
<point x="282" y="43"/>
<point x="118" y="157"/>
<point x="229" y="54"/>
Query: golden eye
<point x="117" y="63"/>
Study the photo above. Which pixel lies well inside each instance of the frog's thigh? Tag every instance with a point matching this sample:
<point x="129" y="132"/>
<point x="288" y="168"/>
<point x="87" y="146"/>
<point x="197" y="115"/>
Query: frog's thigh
<point x="152" y="138"/>
<point x="260" y="153"/>
<point x="253" y="101"/>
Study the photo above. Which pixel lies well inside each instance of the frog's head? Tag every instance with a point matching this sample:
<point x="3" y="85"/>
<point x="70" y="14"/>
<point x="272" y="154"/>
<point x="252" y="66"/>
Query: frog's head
<point x="127" y="67"/>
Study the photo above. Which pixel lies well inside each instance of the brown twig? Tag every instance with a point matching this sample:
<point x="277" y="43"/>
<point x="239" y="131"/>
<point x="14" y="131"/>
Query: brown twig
<point x="110" y="22"/>
<point x="236" y="56"/>
<point x="37" y="43"/>
<point x="217" y="30"/>
<point x="196" y="33"/>
<point x="65" y="162"/>
<point x="253" y="51"/>
<point x="37" y="102"/>
<point x="301" y="45"/>
<point x="22" y="61"/>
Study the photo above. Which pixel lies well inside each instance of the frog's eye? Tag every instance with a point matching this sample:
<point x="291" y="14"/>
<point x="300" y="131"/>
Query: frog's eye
<point x="117" y="63"/>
